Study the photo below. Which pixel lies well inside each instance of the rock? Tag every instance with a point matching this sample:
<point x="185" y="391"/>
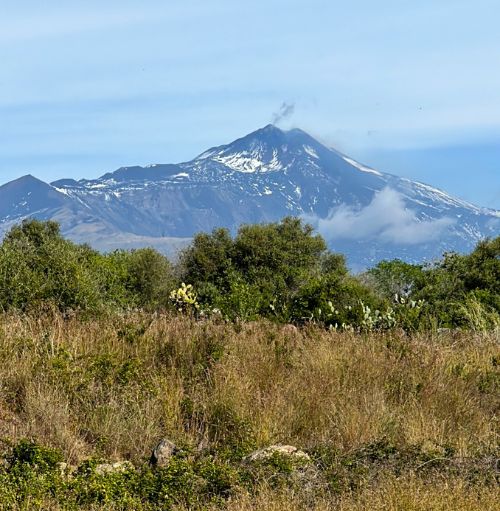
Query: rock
<point x="303" y="472"/>
<point x="163" y="452"/>
<point x="112" y="468"/>
<point x="280" y="450"/>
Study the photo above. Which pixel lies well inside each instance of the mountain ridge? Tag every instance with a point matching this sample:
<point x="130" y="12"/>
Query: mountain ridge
<point x="261" y="177"/>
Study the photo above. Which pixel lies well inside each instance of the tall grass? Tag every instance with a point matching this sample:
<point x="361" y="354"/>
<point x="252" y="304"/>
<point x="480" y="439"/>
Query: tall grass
<point x="113" y="386"/>
<point x="390" y="494"/>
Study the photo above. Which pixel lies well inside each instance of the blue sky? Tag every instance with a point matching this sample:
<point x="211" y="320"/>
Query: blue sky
<point x="412" y="88"/>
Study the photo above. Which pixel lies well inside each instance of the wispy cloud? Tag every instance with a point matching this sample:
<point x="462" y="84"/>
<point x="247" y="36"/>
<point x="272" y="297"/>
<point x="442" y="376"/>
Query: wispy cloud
<point x="386" y="218"/>
<point x="68" y="22"/>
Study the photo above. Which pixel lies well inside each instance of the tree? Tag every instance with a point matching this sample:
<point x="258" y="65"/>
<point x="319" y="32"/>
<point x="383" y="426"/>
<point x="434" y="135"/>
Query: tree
<point x="208" y="258"/>
<point x="395" y="278"/>
<point x="149" y="278"/>
<point x="285" y="253"/>
<point x="261" y="270"/>
<point x="459" y="279"/>
<point x="37" y="265"/>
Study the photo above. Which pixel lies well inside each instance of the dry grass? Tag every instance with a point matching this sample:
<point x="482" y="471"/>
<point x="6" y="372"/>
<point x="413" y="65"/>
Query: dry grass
<point x="112" y="387"/>
<point x="391" y="494"/>
<point x="406" y="494"/>
<point x="118" y="384"/>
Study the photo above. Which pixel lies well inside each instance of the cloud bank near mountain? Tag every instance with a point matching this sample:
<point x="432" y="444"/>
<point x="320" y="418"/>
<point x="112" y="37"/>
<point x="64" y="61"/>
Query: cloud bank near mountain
<point x="386" y="219"/>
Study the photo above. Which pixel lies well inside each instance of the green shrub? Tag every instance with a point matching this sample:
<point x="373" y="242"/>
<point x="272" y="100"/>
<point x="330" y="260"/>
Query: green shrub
<point x="37" y="265"/>
<point x="146" y="275"/>
<point x="30" y="453"/>
<point x="261" y="271"/>
<point x="334" y="301"/>
<point x="457" y="291"/>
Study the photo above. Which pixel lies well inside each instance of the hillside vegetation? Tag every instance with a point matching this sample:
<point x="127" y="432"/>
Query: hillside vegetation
<point x="388" y="383"/>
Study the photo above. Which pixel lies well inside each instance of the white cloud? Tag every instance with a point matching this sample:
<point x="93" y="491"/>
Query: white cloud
<point x="386" y="218"/>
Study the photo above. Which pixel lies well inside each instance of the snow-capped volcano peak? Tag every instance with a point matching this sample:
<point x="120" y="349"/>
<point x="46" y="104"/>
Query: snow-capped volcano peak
<point x="263" y="176"/>
<point x="268" y="149"/>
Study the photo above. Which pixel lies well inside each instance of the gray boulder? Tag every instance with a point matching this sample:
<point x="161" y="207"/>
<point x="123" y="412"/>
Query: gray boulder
<point x="163" y="452"/>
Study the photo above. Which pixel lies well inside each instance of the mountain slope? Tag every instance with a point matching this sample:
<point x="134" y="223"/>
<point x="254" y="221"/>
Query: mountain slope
<point x="28" y="195"/>
<point x="261" y="177"/>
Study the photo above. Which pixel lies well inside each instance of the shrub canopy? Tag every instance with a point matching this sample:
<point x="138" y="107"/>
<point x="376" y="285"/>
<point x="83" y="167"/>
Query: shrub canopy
<point x="280" y="270"/>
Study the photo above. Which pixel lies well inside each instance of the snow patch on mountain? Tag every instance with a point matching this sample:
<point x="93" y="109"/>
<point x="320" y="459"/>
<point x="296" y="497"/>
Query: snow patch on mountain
<point x="311" y="152"/>
<point x="249" y="162"/>
<point x="361" y="167"/>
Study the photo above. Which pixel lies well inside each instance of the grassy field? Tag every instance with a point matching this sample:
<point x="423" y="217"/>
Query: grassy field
<point x="390" y="421"/>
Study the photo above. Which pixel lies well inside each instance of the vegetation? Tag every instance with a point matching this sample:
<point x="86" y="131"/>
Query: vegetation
<point x="385" y="417"/>
<point x="278" y="271"/>
<point x="38" y="266"/>
<point x="458" y="291"/>
<point x="389" y="380"/>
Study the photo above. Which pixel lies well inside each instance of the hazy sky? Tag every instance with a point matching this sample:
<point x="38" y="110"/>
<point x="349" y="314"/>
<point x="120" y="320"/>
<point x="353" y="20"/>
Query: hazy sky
<point x="411" y="87"/>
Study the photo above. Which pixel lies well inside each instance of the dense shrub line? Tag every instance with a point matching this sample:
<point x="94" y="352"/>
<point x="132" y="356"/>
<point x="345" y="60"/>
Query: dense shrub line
<point x="281" y="271"/>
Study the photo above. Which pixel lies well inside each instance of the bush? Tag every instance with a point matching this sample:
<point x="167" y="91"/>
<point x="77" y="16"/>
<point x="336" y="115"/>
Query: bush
<point x="334" y="301"/>
<point x="37" y="265"/>
<point x="458" y="291"/>
<point x="148" y="278"/>
<point x="261" y="271"/>
<point x="30" y="453"/>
